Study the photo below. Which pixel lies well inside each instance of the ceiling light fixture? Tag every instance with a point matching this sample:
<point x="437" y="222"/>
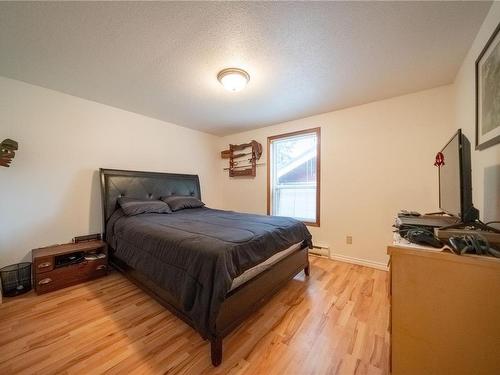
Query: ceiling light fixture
<point x="233" y="79"/>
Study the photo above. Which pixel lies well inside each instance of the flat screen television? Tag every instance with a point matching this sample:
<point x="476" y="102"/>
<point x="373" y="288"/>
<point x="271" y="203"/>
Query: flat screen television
<point x="455" y="180"/>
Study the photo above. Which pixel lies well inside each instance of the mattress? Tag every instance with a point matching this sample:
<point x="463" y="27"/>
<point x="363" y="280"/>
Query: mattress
<point x="261" y="267"/>
<point x="196" y="254"/>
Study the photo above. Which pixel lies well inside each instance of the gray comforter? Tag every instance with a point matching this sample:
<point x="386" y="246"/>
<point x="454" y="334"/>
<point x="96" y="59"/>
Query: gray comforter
<point x="195" y="254"/>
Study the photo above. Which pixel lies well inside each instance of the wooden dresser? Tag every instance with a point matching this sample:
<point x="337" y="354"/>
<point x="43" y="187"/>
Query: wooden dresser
<point x="59" y="266"/>
<point x="445" y="312"/>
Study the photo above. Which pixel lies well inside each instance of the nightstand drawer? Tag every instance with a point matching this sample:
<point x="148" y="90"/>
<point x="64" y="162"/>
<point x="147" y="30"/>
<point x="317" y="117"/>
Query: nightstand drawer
<point x="70" y="275"/>
<point x="43" y="264"/>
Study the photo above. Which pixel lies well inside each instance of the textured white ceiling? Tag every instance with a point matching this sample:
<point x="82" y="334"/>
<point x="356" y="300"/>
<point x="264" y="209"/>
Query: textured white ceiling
<point x="161" y="59"/>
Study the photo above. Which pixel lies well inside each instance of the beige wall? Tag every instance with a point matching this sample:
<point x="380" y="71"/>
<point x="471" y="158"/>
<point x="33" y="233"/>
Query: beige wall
<point x="376" y="159"/>
<point x="51" y="191"/>
<point x="485" y="163"/>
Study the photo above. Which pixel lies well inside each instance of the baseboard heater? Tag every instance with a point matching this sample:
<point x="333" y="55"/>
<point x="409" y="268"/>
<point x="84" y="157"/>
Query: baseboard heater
<point x="319" y="249"/>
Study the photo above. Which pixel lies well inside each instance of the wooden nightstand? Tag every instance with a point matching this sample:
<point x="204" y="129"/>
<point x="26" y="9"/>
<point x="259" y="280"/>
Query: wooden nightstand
<point x="59" y="266"/>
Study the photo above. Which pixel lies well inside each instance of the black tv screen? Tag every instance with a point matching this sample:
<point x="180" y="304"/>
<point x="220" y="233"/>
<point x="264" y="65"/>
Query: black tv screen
<point x="455" y="187"/>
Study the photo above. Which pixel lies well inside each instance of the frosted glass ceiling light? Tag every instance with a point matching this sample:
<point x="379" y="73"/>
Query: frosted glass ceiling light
<point x="233" y="79"/>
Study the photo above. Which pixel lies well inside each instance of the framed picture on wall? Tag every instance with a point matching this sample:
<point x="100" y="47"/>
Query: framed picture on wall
<point x="488" y="93"/>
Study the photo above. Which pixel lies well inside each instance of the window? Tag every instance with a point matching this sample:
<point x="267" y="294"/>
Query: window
<point x="293" y="175"/>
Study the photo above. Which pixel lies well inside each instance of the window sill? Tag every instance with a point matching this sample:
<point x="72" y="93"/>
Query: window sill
<point x="312" y="224"/>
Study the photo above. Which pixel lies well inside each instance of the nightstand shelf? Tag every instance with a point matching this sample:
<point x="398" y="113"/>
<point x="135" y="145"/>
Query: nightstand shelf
<point x="60" y="266"/>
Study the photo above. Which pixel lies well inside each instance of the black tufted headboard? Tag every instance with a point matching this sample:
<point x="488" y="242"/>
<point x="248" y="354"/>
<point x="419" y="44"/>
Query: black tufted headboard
<point x="143" y="185"/>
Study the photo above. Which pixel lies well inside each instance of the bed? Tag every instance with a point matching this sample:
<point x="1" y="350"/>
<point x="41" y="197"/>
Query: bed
<point x="211" y="268"/>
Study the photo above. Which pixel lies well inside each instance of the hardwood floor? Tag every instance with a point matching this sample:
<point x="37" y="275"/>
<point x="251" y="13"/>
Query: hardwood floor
<point x="335" y="322"/>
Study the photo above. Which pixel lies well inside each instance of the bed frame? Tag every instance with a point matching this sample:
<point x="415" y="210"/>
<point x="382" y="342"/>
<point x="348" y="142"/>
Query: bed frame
<point x="240" y="302"/>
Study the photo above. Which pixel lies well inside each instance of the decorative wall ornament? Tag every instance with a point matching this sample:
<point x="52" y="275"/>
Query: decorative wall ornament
<point x="242" y="161"/>
<point x="7" y="152"/>
<point x="488" y="93"/>
<point x="439" y="159"/>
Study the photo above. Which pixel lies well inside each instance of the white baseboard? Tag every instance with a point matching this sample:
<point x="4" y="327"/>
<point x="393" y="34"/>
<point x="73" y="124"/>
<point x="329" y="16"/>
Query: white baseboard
<point x="320" y="252"/>
<point x="361" y="262"/>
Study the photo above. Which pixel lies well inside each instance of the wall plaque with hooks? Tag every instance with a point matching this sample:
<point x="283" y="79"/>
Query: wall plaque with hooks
<point x="243" y="158"/>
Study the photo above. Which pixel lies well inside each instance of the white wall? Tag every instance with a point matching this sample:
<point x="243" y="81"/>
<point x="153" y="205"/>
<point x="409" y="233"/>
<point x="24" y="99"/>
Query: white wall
<point x="485" y="163"/>
<point x="375" y="159"/>
<point x="51" y="191"/>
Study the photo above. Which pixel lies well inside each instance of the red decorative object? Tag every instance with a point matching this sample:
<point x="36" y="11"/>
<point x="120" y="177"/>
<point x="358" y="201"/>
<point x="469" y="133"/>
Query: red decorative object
<point x="439" y="159"/>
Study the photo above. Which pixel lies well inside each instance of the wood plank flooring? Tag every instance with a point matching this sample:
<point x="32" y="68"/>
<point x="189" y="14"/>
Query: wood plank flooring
<point x="335" y="322"/>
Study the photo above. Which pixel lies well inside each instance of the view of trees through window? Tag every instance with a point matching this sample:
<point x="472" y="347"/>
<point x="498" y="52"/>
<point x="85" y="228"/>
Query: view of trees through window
<point x="293" y="176"/>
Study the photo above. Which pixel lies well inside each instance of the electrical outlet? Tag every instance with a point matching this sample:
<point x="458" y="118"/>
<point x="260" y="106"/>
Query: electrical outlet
<point x="348" y="240"/>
